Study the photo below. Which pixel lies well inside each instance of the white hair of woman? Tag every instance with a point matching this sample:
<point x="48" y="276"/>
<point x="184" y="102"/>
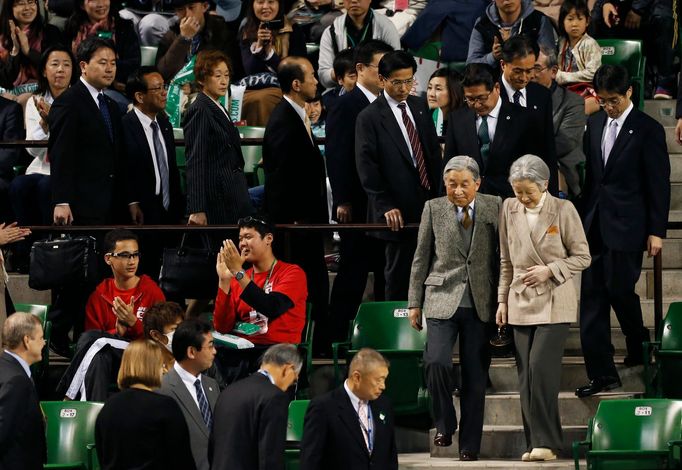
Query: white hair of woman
<point x="532" y="168"/>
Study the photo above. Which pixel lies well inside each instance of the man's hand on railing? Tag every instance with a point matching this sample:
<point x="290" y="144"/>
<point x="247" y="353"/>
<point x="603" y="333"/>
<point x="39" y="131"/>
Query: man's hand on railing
<point x="198" y="219"/>
<point x="136" y="214"/>
<point x="654" y="245"/>
<point x="394" y="219"/>
<point x="62" y="215"/>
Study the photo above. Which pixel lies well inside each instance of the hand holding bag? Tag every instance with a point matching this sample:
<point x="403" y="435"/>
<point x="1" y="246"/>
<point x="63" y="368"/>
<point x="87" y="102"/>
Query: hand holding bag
<point x="189" y="272"/>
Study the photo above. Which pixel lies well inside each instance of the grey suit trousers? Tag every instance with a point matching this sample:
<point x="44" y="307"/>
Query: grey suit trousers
<point x="539" y="349"/>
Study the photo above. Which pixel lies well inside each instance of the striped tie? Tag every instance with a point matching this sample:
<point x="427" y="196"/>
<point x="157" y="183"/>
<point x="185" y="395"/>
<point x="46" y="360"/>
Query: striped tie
<point x="416" y="147"/>
<point x="203" y="404"/>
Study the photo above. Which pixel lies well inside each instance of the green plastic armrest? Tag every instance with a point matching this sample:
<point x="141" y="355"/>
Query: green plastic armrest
<point x="576" y="451"/>
<point x="345" y="345"/>
<point x="91" y="456"/>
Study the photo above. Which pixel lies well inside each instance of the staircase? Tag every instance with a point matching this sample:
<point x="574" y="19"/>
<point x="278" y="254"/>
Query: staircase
<point x="503" y="438"/>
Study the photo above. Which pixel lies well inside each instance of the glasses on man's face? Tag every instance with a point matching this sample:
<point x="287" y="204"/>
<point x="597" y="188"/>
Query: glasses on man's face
<point x="396" y="83"/>
<point x="158" y="89"/>
<point x="125" y="255"/>
<point x="472" y="100"/>
<point x="539" y="69"/>
<point x="250" y="220"/>
<point x="610" y="103"/>
<point x="26" y="3"/>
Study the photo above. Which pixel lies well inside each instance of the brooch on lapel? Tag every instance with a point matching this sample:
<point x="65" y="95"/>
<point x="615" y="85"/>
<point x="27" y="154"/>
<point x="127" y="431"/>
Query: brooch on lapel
<point x="552" y="230"/>
<point x="535" y="107"/>
<point x="382" y="418"/>
<point x="508" y="118"/>
<point x="631" y="131"/>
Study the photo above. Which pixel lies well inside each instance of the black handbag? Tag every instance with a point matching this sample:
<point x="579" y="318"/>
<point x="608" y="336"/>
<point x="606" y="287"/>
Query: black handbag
<point x="189" y="272"/>
<point x="63" y="261"/>
<point x="502" y="343"/>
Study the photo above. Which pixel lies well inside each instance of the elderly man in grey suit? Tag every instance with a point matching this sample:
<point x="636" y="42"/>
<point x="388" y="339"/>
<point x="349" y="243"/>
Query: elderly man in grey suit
<point x="568" y="116"/>
<point x="195" y="393"/>
<point x="453" y="283"/>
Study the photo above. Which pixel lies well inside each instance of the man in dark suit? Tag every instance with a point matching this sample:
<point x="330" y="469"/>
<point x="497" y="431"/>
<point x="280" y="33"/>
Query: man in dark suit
<point x="625" y="206"/>
<point x="22" y="434"/>
<point x="352" y="426"/>
<point x="519" y="54"/>
<point x="398" y="160"/>
<point x="359" y="254"/>
<point x="250" y="417"/>
<point x="295" y="182"/>
<point x="11" y="128"/>
<point x="490" y="130"/>
<point x="195" y="393"/>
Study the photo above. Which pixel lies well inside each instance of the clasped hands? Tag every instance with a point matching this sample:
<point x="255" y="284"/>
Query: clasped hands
<point x="229" y="261"/>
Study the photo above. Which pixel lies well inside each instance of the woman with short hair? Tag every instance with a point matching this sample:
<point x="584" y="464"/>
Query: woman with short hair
<point x="542" y="246"/>
<point x="139" y="428"/>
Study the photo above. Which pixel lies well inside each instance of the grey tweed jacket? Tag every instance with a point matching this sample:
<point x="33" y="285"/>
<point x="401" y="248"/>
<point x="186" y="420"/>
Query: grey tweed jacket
<point x="442" y="267"/>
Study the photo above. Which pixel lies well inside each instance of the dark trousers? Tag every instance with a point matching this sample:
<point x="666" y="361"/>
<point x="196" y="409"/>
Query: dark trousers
<point x="474" y="352"/>
<point x="609" y="282"/>
<point x="539" y="349"/>
<point x="399" y="255"/>
<point x="359" y="255"/>
<point x="31" y="198"/>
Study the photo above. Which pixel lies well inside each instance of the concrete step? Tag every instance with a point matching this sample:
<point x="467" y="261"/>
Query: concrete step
<point x="22" y="294"/>
<point x="425" y="461"/>
<point x="675" y="196"/>
<point x="671" y="143"/>
<point x="676" y="165"/>
<point x="507" y="442"/>
<point x="661" y="110"/>
<point x="674" y="216"/>
<point x="504" y="409"/>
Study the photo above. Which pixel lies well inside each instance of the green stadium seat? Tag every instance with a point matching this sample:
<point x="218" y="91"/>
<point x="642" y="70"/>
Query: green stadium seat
<point x="664" y="378"/>
<point x="384" y="326"/>
<point x="306" y="349"/>
<point x="252" y="153"/>
<point x="633" y="434"/>
<point x="40" y="311"/>
<point x="70" y="430"/>
<point x="292" y="454"/>
<point x="148" y="55"/>
<point x="628" y="53"/>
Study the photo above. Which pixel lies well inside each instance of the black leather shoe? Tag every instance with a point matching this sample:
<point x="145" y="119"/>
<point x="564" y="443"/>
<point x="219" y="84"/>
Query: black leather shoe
<point x="466" y="456"/>
<point x="441" y="440"/>
<point x="632" y="361"/>
<point x="600" y="384"/>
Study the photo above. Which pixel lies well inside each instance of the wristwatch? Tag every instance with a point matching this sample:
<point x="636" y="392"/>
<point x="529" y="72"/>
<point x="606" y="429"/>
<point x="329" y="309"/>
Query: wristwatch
<point x="240" y="275"/>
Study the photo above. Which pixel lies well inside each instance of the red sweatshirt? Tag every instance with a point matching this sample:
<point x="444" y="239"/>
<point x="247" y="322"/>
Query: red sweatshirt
<point x="287" y="279"/>
<point x="99" y="313"/>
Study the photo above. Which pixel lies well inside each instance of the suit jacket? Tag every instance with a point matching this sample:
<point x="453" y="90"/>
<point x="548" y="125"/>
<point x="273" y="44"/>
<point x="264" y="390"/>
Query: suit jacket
<point x="541" y="141"/>
<point x="140" y="171"/>
<point x="511" y="142"/>
<point x="558" y="242"/>
<point x="295" y="180"/>
<point x="86" y="166"/>
<point x="22" y="432"/>
<point x="333" y="439"/>
<point x="340" y="153"/>
<point x="568" y="115"/>
<point x="387" y="172"/>
<point x="11" y="128"/>
<point x="216" y="183"/>
<point x="631" y="194"/>
<point x="174" y="387"/>
<point x="249" y="426"/>
<point x="440" y="272"/>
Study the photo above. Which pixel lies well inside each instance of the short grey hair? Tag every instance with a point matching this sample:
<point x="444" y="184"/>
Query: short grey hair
<point x="461" y="163"/>
<point x="551" y="57"/>
<point x="17" y="326"/>
<point x="367" y="359"/>
<point x="283" y="354"/>
<point x="529" y="167"/>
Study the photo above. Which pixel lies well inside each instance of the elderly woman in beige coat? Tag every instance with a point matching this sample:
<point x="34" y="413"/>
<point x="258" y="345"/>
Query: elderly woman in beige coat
<point x="542" y="246"/>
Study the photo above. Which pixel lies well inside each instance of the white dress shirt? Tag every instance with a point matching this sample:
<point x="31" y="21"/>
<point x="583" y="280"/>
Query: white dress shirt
<point x="460" y="211"/>
<point x="94" y="92"/>
<point x="370" y="96"/>
<point x="393" y="104"/>
<point x="189" y="379"/>
<point x="220" y="105"/>
<point x="492" y="119"/>
<point x="620" y="120"/>
<point x="299" y="109"/>
<point x="146" y="122"/>
<point x="510" y="93"/>
<point x="34" y="131"/>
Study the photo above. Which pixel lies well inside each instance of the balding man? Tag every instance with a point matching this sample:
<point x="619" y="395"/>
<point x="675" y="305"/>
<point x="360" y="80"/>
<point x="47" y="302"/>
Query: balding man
<point x="352" y="426"/>
<point x="22" y="435"/>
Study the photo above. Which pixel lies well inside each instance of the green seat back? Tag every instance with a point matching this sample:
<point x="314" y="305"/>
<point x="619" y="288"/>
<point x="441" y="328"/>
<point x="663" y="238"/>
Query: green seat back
<point x="628" y="53"/>
<point x="252" y="153"/>
<point x="671" y="329"/>
<point x="148" y="55"/>
<point x="70" y="428"/>
<point x="297" y="409"/>
<point x="385" y="326"/>
<point x="430" y="51"/>
<point x="669" y="356"/>
<point x="306" y="349"/>
<point x="636" y="424"/>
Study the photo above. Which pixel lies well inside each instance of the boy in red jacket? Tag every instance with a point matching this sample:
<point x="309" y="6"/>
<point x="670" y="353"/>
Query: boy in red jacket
<point x="118" y="304"/>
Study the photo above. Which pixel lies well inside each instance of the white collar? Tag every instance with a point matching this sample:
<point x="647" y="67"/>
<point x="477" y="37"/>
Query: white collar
<point x="621" y="119"/>
<point x="471" y="206"/>
<point x="298" y="108"/>
<point x="391" y="102"/>
<point x="355" y="401"/>
<point x="536" y="209"/>
<point x="21" y="361"/>
<point x="510" y="90"/>
<point x="495" y="112"/>
<point x="370" y="96"/>
<point x="145" y="120"/>
<point x="94" y="92"/>
<point x="186" y="377"/>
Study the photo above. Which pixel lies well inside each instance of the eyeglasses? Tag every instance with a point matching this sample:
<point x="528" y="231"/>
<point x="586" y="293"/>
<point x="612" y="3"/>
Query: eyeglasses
<point x="538" y="69"/>
<point x="611" y="102"/>
<point x="397" y="83"/>
<point x="125" y="255"/>
<point x="251" y="220"/>
<point x="26" y="3"/>
<point x="157" y="89"/>
<point x="477" y="99"/>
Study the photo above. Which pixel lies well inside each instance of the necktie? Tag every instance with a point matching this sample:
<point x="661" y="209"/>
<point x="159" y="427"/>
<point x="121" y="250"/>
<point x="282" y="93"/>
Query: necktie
<point x="484" y="139"/>
<point x="416" y="147"/>
<point x="517" y="97"/>
<point x="609" y="140"/>
<point x="466" y="218"/>
<point x="162" y="163"/>
<point x="203" y="404"/>
<point x="104" y="109"/>
<point x="364" y="423"/>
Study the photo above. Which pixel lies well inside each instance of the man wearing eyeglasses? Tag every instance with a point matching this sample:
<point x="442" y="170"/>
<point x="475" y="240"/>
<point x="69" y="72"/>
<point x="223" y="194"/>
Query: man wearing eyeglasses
<point x="625" y="204"/>
<point x="398" y="160"/>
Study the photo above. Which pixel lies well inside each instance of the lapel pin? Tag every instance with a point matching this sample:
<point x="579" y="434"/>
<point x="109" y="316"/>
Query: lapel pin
<point x="210" y="389"/>
<point x="382" y="417"/>
<point x="508" y="118"/>
<point x="631" y="131"/>
<point x="535" y="107"/>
